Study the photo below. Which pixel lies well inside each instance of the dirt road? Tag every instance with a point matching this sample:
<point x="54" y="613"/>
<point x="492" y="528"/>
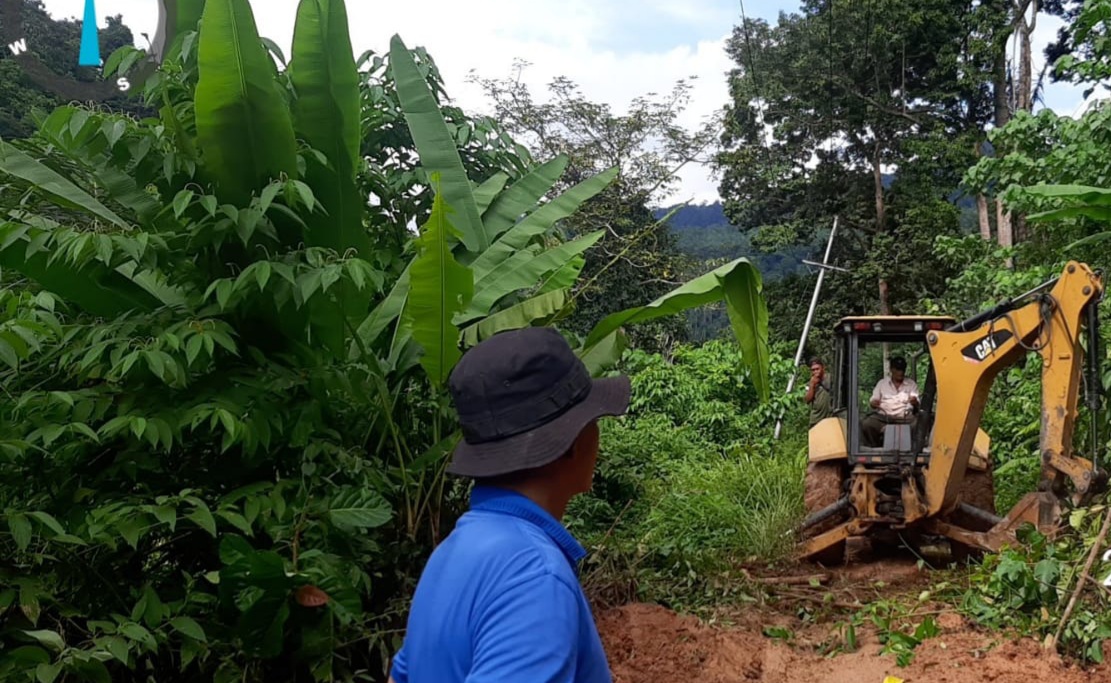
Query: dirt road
<point x="650" y="644"/>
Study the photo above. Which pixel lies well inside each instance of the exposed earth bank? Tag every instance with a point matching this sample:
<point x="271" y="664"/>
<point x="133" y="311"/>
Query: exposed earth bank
<point x="651" y="644"/>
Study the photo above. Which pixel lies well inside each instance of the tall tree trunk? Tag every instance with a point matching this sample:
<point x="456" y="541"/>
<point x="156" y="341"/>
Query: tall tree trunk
<point x="877" y="175"/>
<point x="985" y="219"/>
<point x="881" y="219"/>
<point x="1002" y="116"/>
<point x="1000" y="85"/>
<point x="1003" y="217"/>
<point x="1003" y="220"/>
<point x="1024" y="97"/>
<point x="982" y="202"/>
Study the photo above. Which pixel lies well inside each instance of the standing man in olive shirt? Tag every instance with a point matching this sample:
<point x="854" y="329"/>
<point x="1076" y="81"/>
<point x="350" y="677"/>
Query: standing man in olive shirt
<point x="818" y="392"/>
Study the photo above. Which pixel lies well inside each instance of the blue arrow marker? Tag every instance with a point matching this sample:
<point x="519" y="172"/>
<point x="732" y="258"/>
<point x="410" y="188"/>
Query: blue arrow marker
<point x="90" y="41"/>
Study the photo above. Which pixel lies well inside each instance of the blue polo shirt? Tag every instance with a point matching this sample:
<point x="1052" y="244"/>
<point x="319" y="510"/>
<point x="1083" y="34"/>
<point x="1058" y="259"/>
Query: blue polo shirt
<point x="500" y="602"/>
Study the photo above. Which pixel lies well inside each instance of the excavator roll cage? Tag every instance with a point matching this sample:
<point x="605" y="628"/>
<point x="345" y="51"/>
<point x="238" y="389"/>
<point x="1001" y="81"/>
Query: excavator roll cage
<point x="913" y="482"/>
<point x="903" y="445"/>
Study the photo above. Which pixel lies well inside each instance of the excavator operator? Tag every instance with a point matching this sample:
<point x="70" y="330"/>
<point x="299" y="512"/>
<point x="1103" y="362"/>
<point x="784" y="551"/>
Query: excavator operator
<point x="894" y="399"/>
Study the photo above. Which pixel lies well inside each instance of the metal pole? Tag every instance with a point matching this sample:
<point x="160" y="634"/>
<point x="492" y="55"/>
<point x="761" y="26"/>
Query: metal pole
<point x="809" y="318"/>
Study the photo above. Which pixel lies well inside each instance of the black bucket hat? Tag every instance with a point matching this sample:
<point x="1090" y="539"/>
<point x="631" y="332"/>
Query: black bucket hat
<point x="523" y="397"/>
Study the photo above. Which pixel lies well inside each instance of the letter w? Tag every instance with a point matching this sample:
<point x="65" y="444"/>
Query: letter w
<point x="19" y="46"/>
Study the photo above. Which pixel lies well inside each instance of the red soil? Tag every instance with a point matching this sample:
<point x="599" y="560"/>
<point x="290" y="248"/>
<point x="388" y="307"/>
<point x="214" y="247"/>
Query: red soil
<point x="651" y="644"/>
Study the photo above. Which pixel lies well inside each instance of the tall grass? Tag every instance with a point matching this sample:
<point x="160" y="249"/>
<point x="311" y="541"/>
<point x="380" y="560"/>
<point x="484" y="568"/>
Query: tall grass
<point x="690" y="483"/>
<point x="720" y="510"/>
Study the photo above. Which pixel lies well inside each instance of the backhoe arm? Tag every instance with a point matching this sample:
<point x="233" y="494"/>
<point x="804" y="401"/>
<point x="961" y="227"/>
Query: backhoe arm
<point x="967" y="358"/>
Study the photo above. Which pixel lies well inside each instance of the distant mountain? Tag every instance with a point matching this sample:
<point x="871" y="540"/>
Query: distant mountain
<point x="705" y="234"/>
<point x="696" y="216"/>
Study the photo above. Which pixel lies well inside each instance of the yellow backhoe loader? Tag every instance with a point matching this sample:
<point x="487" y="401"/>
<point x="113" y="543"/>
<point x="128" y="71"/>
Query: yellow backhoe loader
<point x="929" y="483"/>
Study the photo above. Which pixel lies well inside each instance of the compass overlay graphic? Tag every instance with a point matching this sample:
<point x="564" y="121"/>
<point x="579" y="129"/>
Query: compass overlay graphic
<point x="86" y="83"/>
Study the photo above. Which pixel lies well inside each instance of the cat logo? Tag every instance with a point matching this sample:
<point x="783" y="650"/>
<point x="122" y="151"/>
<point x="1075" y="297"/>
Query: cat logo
<point x="984" y="348"/>
<point x="980" y="349"/>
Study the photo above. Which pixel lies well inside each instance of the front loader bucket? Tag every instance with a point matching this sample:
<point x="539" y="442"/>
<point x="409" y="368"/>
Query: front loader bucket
<point x="1042" y="510"/>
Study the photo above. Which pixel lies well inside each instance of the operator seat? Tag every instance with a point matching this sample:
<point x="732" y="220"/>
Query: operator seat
<point x="898" y="437"/>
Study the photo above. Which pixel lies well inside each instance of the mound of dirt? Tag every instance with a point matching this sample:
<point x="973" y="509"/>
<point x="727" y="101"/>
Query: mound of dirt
<point x="650" y="644"/>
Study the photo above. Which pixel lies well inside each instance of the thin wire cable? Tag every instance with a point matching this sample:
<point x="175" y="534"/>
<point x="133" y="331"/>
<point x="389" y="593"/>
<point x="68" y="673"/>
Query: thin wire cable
<point x="751" y="55"/>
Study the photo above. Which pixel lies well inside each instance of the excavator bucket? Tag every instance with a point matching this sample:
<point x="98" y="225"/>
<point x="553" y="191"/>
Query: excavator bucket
<point x="1042" y="510"/>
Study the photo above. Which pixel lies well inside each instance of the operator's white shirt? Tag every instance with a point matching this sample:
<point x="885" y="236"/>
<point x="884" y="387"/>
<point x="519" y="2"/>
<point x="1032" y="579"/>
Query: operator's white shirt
<point x="895" y="402"/>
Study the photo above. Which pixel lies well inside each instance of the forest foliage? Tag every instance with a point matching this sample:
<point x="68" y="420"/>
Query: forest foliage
<point x="223" y="369"/>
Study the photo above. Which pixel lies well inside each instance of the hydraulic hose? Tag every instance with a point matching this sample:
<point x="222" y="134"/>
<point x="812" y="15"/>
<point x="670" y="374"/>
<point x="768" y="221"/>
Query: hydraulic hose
<point x="1093" y="381"/>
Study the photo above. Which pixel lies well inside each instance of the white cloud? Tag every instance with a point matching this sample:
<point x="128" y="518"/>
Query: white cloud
<point x="557" y="39"/>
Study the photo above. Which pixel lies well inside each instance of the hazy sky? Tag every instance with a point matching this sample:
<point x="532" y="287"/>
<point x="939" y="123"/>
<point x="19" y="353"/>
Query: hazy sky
<point x="614" y="49"/>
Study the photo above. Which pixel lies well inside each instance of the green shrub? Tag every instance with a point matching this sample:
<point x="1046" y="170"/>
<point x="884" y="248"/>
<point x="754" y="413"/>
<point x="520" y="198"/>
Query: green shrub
<point x="224" y="426"/>
<point x="1027" y="588"/>
<point x="691" y="481"/>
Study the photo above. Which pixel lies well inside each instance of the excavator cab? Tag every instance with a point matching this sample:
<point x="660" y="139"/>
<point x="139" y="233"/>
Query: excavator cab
<point x="923" y="478"/>
<point x="864" y="346"/>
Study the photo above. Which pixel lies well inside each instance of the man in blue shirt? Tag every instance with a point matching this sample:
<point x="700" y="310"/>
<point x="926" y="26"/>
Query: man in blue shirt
<point x="499" y="600"/>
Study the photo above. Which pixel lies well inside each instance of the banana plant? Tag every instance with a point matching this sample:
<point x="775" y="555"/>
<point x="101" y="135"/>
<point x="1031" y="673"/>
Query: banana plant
<point x="247" y="159"/>
<point x="506" y="271"/>
<point x="1076" y="201"/>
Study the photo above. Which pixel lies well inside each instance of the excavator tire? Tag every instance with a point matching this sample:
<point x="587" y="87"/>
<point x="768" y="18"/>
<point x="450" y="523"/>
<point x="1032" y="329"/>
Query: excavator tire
<point x="824" y="484"/>
<point x="978" y="490"/>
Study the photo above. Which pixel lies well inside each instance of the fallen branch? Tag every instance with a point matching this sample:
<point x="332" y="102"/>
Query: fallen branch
<point x="793" y="580"/>
<point x="1085" y="574"/>
<point x="820" y="599"/>
<point x="787" y="580"/>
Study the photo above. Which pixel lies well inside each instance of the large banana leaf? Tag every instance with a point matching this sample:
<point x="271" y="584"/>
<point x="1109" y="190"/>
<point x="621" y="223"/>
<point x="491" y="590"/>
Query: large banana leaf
<point x="540" y="221"/>
<point x="738" y="283"/>
<point x="524" y="314"/>
<point x="439" y="288"/>
<point x="388" y="310"/>
<point x="522" y="196"/>
<point x="326" y="81"/>
<point x="57" y="187"/>
<point x="605" y="354"/>
<point x="1083" y="201"/>
<point x="436" y="146"/>
<point x="507" y="280"/>
<point x="748" y="314"/>
<point x="243" y="123"/>
<point x="182" y="16"/>
<point x="326" y="113"/>
<point x="1085" y="193"/>
<point x="487" y="191"/>
<point x="515" y="261"/>
<point x="565" y="277"/>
